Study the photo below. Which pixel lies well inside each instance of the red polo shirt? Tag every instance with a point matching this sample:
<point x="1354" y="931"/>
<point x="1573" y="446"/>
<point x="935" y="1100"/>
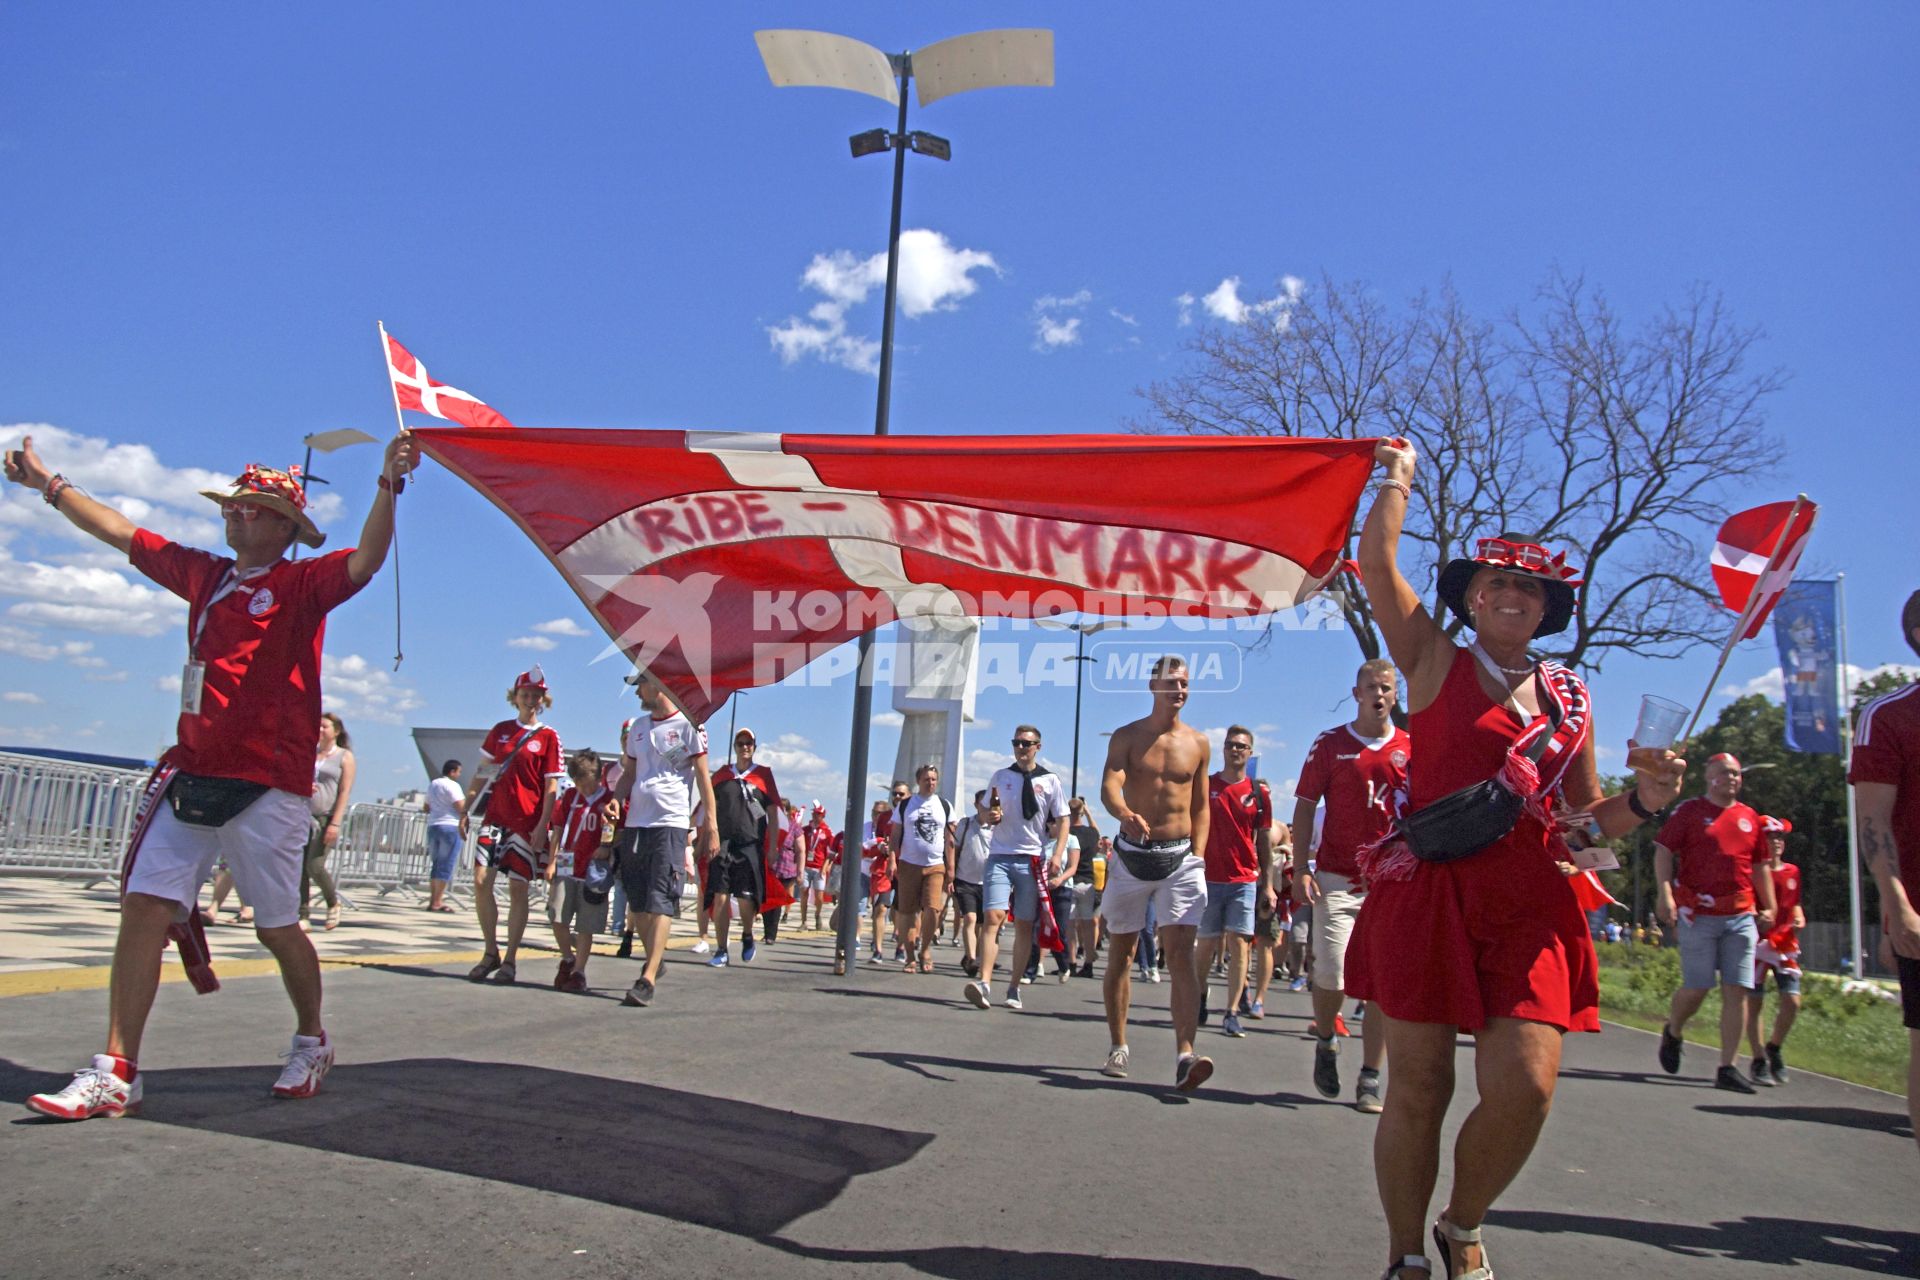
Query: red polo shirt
<point x="1357" y="781"/>
<point x="1239" y="812"/>
<point x="260" y="707"/>
<point x="1714" y="853"/>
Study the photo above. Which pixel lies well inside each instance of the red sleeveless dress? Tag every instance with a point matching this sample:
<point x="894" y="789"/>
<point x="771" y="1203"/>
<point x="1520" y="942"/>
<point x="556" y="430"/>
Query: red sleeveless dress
<point x="1494" y="935"/>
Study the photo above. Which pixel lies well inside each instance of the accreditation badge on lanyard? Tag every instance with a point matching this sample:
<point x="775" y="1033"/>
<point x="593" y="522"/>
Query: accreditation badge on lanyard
<point x="193" y="676"/>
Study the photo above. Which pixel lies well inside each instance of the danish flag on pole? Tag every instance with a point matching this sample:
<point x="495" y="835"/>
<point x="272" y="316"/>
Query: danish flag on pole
<point x="721" y="561"/>
<point x="1755" y="555"/>
<point x="413" y="389"/>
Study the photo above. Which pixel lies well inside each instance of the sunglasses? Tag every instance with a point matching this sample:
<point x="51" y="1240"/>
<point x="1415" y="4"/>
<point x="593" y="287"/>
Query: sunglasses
<point x="1026" y="742"/>
<point x="245" y="512"/>
<point x="1239" y="746"/>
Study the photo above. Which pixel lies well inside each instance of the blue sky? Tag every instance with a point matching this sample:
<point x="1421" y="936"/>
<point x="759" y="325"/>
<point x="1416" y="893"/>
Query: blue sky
<point x="601" y="220"/>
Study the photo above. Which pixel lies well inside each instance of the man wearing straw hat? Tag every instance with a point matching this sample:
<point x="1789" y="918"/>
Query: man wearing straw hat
<point x="236" y="782"/>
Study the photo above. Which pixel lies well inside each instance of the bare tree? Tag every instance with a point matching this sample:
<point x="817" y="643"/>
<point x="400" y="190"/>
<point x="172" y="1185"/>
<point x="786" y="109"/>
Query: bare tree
<point x="1557" y="425"/>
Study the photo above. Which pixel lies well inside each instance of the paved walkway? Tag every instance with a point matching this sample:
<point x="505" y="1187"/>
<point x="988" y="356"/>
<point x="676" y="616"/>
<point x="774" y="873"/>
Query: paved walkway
<point x="772" y="1120"/>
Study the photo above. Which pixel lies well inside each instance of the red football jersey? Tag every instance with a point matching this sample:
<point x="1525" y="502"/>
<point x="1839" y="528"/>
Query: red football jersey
<point x="1237" y="812"/>
<point x="1358" y="783"/>
<point x="1787" y="888"/>
<point x="578" y="820"/>
<point x="1886" y="749"/>
<point x="1714" y="852"/>
<point x="517" y="793"/>
<point x="260" y="640"/>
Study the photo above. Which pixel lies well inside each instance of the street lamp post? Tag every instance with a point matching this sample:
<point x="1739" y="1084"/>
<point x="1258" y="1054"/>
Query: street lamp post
<point x="1081" y="631"/>
<point x="981" y="60"/>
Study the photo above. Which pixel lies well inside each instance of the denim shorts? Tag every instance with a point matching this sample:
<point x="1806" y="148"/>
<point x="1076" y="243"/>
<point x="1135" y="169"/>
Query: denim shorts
<point x="443" y="847"/>
<point x="1229" y="909"/>
<point x="1723" y="943"/>
<point x="1009" y="883"/>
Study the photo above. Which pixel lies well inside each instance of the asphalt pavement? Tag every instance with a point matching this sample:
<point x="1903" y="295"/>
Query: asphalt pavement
<point x="773" y="1120"/>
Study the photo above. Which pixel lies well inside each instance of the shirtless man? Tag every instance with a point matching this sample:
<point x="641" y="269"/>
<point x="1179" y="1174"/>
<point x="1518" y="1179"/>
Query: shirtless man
<point x="1156" y="787"/>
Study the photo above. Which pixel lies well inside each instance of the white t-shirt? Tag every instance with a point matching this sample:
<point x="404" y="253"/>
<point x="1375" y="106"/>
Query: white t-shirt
<point x="970" y="857"/>
<point x="663" y="752"/>
<point x="923" y="834"/>
<point x="1019" y="835"/>
<point x="445" y="800"/>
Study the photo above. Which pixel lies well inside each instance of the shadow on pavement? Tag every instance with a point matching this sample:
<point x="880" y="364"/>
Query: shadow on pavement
<point x="969" y="1262"/>
<point x="1780" y="1241"/>
<point x="1634" y="1077"/>
<point x="1089" y="1078"/>
<point x="1888" y="1122"/>
<point x="474" y="1118"/>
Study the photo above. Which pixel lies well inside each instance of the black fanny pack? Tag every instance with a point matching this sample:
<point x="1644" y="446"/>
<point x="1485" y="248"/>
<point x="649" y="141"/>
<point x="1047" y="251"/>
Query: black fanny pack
<point x="1464" y="822"/>
<point x="1157" y="861"/>
<point x="210" y="802"/>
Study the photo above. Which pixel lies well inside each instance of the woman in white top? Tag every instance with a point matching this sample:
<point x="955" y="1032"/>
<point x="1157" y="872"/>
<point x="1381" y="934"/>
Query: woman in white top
<point x="332" y="785"/>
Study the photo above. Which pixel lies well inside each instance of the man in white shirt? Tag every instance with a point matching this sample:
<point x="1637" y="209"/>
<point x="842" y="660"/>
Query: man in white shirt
<point x="972" y="839"/>
<point x="446" y="828"/>
<point x="663" y="777"/>
<point x="922" y="839"/>
<point x="1032" y="808"/>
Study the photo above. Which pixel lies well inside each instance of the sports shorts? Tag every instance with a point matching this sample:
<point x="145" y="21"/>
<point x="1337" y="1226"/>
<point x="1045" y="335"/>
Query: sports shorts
<point x="264" y="845"/>
<point x="730" y="875"/>
<point x="653" y="868"/>
<point x="510" y="853"/>
<point x="1909" y="971"/>
<point x="1332" y="925"/>
<point x="966" y="897"/>
<point x="1178" y="900"/>
<point x="568" y="909"/>
<point x="1086" y="900"/>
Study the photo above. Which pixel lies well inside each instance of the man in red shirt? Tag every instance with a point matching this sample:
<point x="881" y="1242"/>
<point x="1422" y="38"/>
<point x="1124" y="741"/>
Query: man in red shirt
<point x="528" y="766"/>
<point x="1356" y="770"/>
<point x="1717" y="893"/>
<point x="1239" y="872"/>
<point x="1885" y="774"/>
<point x="1778" y="954"/>
<point x="235" y="784"/>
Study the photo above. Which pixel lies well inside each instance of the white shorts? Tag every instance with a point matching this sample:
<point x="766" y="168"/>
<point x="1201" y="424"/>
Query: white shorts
<point x="263" y="846"/>
<point x="1180" y="899"/>
<point x="1334" y="912"/>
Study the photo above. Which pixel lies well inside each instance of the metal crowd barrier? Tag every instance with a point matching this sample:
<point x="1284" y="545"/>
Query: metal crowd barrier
<point x="382" y="847"/>
<point x="61" y="818"/>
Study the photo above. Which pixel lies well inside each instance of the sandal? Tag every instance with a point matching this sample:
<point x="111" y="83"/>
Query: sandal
<point x="1446" y="1235"/>
<point x="333" y="917"/>
<point x="488" y="963"/>
<point x="1408" y="1262"/>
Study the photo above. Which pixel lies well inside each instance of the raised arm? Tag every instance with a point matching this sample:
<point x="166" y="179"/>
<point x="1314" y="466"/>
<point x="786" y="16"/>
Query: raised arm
<point x="1419" y="646"/>
<point x="376" y="535"/>
<point x="23" y="467"/>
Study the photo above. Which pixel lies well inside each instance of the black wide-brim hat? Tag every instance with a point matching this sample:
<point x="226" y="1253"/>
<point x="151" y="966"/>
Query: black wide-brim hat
<point x="1525" y="559"/>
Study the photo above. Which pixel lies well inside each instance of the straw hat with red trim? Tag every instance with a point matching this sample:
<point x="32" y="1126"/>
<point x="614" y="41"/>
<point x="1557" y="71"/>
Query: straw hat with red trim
<point x="277" y="491"/>
<point x="1526" y="559"/>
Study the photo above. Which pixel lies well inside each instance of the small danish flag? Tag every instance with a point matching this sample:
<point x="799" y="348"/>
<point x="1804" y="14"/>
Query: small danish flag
<point x="1755" y="555"/>
<point x="413" y="389"/>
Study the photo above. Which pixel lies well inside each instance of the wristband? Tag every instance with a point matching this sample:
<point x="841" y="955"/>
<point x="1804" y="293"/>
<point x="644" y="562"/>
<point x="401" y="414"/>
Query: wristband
<point x="1641" y="811"/>
<point x="56" y="485"/>
<point x="1406" y="490"/>
<point x="395" y="487"/>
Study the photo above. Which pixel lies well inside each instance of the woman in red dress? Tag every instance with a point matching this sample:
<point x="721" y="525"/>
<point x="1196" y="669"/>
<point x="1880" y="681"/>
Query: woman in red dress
<point x="1492" y="943"/>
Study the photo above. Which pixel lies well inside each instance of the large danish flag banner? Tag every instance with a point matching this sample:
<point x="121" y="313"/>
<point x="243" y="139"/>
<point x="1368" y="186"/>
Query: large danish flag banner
<point x="723" y="561"/>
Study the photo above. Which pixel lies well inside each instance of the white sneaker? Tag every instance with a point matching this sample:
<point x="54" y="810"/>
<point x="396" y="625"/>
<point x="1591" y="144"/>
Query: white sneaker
<point x="980" y="995"/>
<point x="307" y="1065"/>
<point x="1117" y="1059"/>
<point x="93" y="1092"/>
<point x="703" y="948"/>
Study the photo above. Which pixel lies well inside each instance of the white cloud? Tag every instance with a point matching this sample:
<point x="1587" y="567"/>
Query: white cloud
<point x="23" y="698"/>
<point x="27" y="735"/>
<point x="890" y="719"/>
<point x="88" y="598"/>
<point x="358" y="690"/>
<point x="934" y="276"/>
<point x="168" y="683"/>
<point x="539" y="644"/>
<point x="560" y="627"/>
<point x="804" y="775"/>
<point x="1053" y="324"/>
<point x="1225" y="303"/>
<point x="107" y="677"/>
<point x="1125" y="319"/>
<point x="1185" y="302"/>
